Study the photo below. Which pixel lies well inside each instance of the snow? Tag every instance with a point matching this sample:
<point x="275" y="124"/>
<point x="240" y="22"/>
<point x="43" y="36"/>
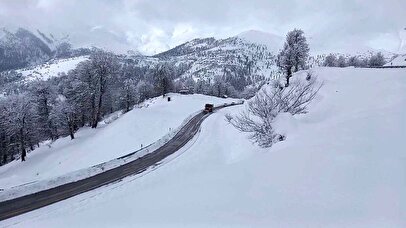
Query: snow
<point x="153" y="120"/>
<point x="284" y="124"/>
<point x="52" y="69"/>
<point x="398" y="61"/>
<point x="341" y="165"/>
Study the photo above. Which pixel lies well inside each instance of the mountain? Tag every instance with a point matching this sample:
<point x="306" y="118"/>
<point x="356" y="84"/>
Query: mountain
<point x="237" y="58"/>
<point x="21" y="48"/>
<point x="245" y="59"/>
<point x="52" y="41"/>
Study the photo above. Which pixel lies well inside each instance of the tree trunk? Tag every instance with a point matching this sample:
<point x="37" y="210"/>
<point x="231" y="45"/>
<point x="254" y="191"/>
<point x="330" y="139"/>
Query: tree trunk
<point x="97" y="114"/>
<point x="101" y="84"/>
<point x="72" y="135"/>
<point x="71" y="128"/>
<point x="93" y="107"/>
<point x="297" y="64"/>
<point x="4" y="158"/>
<point x="22" y="145"/>
<point x="289" y="74"/>
<point x="48" y="123"/>
<point x="127" y="103"/>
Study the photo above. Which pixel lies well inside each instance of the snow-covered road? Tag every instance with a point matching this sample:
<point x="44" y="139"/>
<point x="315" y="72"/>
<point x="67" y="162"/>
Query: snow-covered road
<point x="46" y="197"/>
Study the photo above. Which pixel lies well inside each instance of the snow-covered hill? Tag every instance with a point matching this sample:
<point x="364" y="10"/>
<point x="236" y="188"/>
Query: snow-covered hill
<point x="342" y="165"/>
<point x="398" y="61"/>
<point x="144" y="125"/>
<point x="51" y="68"/>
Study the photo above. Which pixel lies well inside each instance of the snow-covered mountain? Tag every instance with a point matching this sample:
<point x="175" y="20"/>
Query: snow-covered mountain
<point x="248" y="58"/>
<point x="51" y="40"/>
<point x="242" y="57"/>
<point x="21" y="48"/>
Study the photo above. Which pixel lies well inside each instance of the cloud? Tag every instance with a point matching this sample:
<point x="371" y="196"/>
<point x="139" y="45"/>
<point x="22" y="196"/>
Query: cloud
<point x="152" y="26"/>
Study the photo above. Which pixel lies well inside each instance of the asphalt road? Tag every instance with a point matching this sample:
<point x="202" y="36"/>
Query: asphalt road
<point x="17" y="206"/>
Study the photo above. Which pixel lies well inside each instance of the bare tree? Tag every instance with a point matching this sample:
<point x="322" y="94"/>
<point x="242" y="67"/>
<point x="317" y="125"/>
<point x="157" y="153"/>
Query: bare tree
<point x="268" y="103"/>
<point x="104" y="65"/>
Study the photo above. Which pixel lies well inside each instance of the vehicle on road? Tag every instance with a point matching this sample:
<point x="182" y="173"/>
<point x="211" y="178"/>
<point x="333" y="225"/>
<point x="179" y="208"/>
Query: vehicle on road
<point x="208" y="108"/>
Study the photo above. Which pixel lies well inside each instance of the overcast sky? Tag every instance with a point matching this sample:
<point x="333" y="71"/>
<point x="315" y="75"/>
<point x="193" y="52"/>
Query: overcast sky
<point x="151" y="26"/>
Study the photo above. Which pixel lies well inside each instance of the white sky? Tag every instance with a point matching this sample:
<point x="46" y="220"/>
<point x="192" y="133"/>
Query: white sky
<point x="152" y="26"/>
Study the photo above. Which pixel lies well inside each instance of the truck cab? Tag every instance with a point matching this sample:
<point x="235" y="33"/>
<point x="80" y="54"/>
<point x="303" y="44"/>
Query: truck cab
<point x="208" y="108"/>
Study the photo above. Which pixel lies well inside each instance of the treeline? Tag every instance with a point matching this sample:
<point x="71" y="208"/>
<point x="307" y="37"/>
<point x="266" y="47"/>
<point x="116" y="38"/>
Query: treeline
<point x="47" y="110"/>
<point x="375" y="60"/>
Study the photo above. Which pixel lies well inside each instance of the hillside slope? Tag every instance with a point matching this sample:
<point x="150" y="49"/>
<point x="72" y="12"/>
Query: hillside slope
<point x="142" y="126"/>
<point x="342" y="165"/>
<point x="398" y="61"/>
<point x="51" y="68"/>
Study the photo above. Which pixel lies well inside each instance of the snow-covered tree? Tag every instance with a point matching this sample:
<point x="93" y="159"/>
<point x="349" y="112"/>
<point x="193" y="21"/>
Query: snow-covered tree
<point x="144" y="90"/>
<point x="330" y="61"/>
<point x="377" y="60"/>
<point x="341" y="62"/>
<point x="128" y="94"/>
<point x="353" y="61"/>
<point x="163" y="76"/>
<point x="18" y="120"/>
<point x="104" y="67"/>
<point x="294" y="54"/>
<point x="43" y="96"/>
<point x="202" y="87"/>
<point x="65" y="115"/>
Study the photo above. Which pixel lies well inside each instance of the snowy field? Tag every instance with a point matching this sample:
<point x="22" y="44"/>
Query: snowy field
<point x="52" y="69"/>
<point x="342" y="165"/>
<point x="142" y="126"/>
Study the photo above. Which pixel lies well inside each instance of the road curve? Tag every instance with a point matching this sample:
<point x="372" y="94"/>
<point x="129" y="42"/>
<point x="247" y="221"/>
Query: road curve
<point x="20" y="205"/>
